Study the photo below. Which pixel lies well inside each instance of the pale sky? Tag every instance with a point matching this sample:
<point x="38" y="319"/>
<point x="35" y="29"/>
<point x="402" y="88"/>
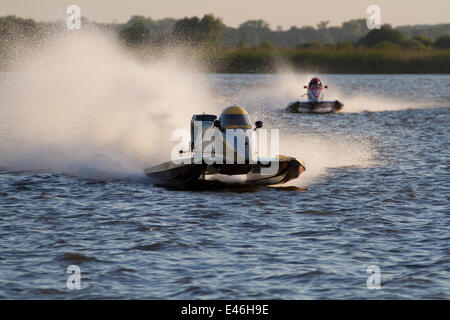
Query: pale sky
<point x="234" y="12"/>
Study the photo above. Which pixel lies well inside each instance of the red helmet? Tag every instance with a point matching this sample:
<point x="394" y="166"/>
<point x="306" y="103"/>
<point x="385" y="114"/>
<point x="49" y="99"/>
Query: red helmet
<point x="315" y="81"/>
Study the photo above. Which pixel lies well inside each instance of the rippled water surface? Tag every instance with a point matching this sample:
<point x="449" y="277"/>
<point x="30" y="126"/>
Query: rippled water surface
<point x="378" y="191"/>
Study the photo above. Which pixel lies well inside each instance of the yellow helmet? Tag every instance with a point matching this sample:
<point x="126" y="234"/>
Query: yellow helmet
<point x="235" y="117"/>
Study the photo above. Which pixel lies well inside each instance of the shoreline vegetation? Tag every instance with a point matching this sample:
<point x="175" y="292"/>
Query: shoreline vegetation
<point x="329" y="60"/>
<point x="253" y="47"/>
<point x="313" y="60"/>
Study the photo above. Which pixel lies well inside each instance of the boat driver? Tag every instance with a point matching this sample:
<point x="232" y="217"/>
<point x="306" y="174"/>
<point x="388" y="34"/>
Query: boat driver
<point x="315" y="82"/>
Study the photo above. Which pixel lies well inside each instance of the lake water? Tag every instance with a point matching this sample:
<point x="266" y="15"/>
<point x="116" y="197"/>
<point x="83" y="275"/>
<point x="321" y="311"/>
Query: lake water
<point x="378" y="194"/>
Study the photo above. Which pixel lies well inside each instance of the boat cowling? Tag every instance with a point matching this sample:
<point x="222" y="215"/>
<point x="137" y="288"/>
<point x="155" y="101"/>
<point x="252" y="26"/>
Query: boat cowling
<point x="237" y="134"/>
<point x="206" y="120"/>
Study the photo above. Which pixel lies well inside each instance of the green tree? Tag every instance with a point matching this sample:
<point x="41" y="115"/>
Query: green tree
<point x="443" y="42"/>
<point x="412" y="44"/>
<point x="194" y="31"/>
<point x="136" y="31"/>
<point x="187" y="30"/>
<point x="241" y="44"/>
<point x="255" y="24"/>
<point x="13" y="28"/>
<point x="322" y="25"/>
<point x="310" y="45"/>
<point x="253" y="32"/>
<point x="344" y="45"/>
<point x="210" y="29"/>
<point x="427" y="42"/>
<point x="385" y="33"/>
<point x="386" y="45"/>
<point x="266" y="45"/>
<point x="352" y="30"/>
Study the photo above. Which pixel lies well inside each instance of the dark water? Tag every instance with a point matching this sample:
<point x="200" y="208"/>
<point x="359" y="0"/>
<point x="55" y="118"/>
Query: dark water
<point x="134" y="240"/>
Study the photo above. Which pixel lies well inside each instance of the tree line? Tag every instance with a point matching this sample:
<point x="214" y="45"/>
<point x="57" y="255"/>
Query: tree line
<point x="211" y="31"/>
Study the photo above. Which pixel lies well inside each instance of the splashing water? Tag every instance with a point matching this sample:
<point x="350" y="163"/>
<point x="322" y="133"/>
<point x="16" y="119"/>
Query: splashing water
<point x="320" y="153"/>
<point x="84" y="96"/>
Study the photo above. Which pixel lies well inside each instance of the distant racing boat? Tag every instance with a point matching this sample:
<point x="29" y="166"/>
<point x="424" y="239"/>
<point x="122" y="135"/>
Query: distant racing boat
<point x="315" y="104"/>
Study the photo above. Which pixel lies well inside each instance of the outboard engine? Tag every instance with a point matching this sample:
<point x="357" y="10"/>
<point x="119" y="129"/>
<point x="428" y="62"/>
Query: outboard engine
<point x="205" y="119"/>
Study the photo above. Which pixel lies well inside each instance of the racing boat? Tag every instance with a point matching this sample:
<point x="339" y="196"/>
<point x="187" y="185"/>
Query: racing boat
<point x="225" y="148"/>
<point x="315" y="103"/>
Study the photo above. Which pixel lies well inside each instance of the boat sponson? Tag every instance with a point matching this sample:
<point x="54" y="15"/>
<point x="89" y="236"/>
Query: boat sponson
<point x="288" y="169"/>
<point x="169" y="173"/>
<point x="315" y="107"/>
<point x="178" y="174"/>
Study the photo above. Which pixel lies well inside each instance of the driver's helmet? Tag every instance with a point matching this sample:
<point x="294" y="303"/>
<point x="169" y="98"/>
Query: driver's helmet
<point x="315" y="82"/>
<point x="235" y="117"/>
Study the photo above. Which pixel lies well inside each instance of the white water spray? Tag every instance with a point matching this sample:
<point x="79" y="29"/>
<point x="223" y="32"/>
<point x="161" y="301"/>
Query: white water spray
<point x="83" y="98"/>
<point x="320" y="153"/>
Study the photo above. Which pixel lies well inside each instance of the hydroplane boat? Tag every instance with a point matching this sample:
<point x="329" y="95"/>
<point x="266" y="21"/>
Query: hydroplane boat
<point x="315" y="102"/>
<point x="222" y="149"/>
